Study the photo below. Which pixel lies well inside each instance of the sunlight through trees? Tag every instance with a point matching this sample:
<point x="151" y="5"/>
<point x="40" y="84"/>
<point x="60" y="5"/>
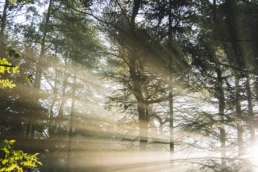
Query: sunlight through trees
<point x="131" y="85"/>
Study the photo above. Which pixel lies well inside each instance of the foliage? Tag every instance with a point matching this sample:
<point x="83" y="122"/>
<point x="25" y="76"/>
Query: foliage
<point x="14" y="2"/>
<point x="7" y="67"/>
<point x="16" y="160"/>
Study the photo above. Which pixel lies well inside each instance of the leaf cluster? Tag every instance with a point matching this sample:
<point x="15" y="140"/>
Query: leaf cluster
<point x="6" y="66"/>
<point x="16" y="160"/>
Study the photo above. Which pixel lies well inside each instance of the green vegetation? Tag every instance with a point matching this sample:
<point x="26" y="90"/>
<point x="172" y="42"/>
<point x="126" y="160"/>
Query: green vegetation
<point x="7" y="67"/>
<point x="16" y="160"/>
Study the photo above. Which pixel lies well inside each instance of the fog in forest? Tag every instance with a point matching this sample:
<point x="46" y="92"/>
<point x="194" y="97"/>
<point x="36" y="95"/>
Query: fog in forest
<point x="129" y="85"/>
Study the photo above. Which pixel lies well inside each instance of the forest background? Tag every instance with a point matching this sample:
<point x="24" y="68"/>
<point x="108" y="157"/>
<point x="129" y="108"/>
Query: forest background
<point x="131" y="85"/>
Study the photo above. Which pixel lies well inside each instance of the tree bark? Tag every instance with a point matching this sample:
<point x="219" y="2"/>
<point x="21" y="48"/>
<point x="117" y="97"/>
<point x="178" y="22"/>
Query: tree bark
<point x="71" y="125"/>
<point x="3" y="26"/>
<point x="64" y="96"/>
<point x="141" y="104"/>
<point x="4" y="18"/>
<point x="136" y="81"/>
<point x="221" y="99"/>
<point x="250" y="112"/>
<point x="170" y="96"/>
<point x="236" y="32"/>
<point x="39" y="69"/>
<point x="238" y="115"/>
<point x="42" y="50"/>
<point x="51" y="117"/>
<point x="143" y="124"/>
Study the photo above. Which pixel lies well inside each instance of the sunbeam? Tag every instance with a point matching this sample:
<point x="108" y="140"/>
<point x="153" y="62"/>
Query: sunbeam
<point x="128" y="86"/>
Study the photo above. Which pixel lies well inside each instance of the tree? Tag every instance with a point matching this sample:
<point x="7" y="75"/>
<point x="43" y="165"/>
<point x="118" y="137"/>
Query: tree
<point x="179" y="76"/>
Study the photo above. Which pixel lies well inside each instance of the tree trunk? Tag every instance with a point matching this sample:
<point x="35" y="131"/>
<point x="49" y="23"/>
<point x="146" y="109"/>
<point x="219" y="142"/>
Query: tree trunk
<point x="64" y="96"/>
<point x="52" y="126"/>
<point x="71" y="125"/>
<point x="141" y="104"/>
<point x="221" y="96"/>
<point x="170" y="96"/>
<point x="3" y="21"/>
<point x="136" y="81"/>
<point x="250" y="111"/>
<point x="36" y="85"/>
<point x="143" y="125"/>
<point x="221" y="99"/>
<point x="3" y="26"/>
<point x="239" y="120"/>
<point x="42" y="50"/>
<point x="28" y="128"/>
<point x="236" y="32"/>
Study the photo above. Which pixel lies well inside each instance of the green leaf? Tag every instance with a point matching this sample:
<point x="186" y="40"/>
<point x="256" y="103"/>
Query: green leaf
<point x="11" y="167"/>
<point x="12" y="141"/>
<point x="3" y="169"/>
<point x="4" y="161"/>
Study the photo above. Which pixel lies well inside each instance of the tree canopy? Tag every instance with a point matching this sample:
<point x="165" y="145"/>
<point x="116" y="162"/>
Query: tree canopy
<point x="118" y="85"/>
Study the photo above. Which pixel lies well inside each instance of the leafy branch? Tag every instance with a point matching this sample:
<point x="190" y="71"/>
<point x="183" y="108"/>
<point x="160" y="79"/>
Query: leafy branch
<point x="16" y="160"/>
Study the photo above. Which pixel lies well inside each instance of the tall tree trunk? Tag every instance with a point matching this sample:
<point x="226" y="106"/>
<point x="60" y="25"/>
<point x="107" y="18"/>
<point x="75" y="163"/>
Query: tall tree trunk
<point x="221" y="96"/>
<point x="236" y="32"/>
<point x="51" y="116"/>
<point x="221" y="99"/>
<point x="170" y="96"/>
<point x="42" y="50"/>
<point x="239" y="120"/>
<point x="171" y="126"/>
<point x="3" y="26"/>
<point x="250" y="111"/>
<point x="137" y="90"/>
<point x="39" y="69"/>
<point x="64" y="96"/>
<point x="71" y="125"/>
<point x="28" y="129"/>
<point x="52" y="127"/>
<point x="4" y="18"/>
<point x="143" y="125"/>
<point x="141" y="104"/>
